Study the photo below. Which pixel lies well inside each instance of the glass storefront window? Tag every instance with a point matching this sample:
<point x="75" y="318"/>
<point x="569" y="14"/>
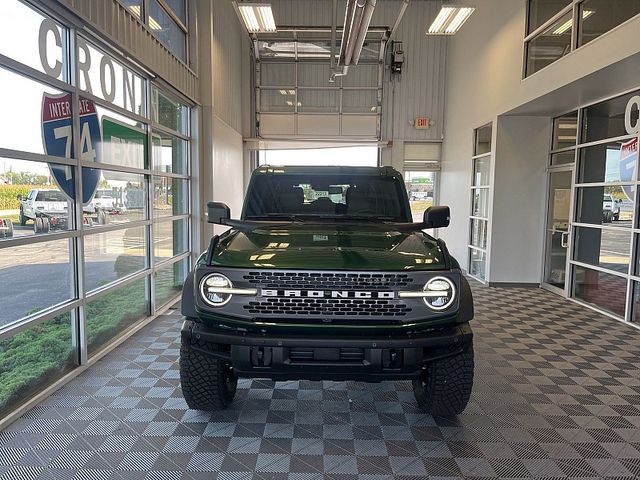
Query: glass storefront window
<point x="479" y="233"/>
<point x="124" y="141"/>
<point x="34" y="277"/>
<point x="600" y="16"/>
<point x="636" y="303"/>
<point x="483" y="140"/>
<point x="112" y="255"/>
<point x="610" y="249"/>
<point x="112" y="313"/>
<point x="481" y="171"/>
<point x="607" y="162"/>
<point x="169" y="281"/>
<point x="169" y="153"/>
<point x="606" y="119"/>
<point x="167" y="30"/>
<point x="119" y="198"/>
<point x="480" y="203"/>
<point x="170" y="239"/>
<point x="540" y="11"/>
<point x="33" y="359"/>
<point x="600" y="205"/>
<point x="602" y="290"/>
<point x="565" y="131"/>
<point x="134" y="6"/>
<point x="168" y="112"/>
<point x="563" y="158"/>
<point x="477" y="263"/>
<point x="106" y="78"/>
<point x="421" y="189"/>
<point x="30" y="199"/>
<point x="550" y="45"/>
<point x="171" y="196"/>
<point x="41" y="231"/>
<point x="179" y="8"/>
<point x="38" y="112"/>
<point x="33" y="39"/>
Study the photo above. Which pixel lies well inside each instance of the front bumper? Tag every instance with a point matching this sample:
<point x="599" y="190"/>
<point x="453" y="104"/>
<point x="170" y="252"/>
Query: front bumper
<point x="327" y="358"/>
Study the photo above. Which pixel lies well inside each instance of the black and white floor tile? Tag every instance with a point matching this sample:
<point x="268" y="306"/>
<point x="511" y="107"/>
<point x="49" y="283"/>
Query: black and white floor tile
<point x="556" y="395"/>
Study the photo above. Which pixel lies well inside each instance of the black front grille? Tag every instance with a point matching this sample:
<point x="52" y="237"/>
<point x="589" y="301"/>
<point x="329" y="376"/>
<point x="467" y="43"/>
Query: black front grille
<point x="320" y="281"/>
<point x="345" y="307"/>
<point x="344" y="355"/>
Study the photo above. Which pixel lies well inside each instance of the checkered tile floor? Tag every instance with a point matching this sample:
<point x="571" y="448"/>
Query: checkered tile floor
<point x="557" y="395"/>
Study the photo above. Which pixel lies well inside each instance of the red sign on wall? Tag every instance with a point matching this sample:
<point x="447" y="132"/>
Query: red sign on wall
<point x="422" y="123"/>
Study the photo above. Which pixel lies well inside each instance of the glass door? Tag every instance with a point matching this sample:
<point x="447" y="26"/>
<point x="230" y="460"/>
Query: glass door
<point x="558" y="228"/>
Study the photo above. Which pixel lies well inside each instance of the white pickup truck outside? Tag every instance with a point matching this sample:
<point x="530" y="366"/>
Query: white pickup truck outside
<point x="610" y="209"/>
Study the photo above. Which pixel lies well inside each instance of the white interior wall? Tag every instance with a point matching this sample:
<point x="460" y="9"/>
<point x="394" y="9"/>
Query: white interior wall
<point x="221" y="56"/>
<point x="519" y="194"/>
<point x="484" y="81"/>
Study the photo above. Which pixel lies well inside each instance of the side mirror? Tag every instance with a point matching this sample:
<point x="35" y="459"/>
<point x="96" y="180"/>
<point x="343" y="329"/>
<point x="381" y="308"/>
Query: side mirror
<point x="436" y="217"/>
<point x="218" y="213"/>
<point x="19" y="197"/>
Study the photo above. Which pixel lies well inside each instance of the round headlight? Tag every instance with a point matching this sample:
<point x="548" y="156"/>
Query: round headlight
<point x="209" y="286"/>
<point x="441" y="293"/>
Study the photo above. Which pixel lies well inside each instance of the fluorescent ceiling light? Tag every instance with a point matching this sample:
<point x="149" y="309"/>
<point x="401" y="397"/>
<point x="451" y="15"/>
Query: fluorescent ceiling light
<point x="135" y="9"/>
<point x="257" y="17"/>
<point x="153" y="24"/>
<point x="450" y="20"/>
<point x="569" y="23"/>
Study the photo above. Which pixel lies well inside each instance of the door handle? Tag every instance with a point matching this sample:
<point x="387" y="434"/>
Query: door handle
<point x="564" y="240"/>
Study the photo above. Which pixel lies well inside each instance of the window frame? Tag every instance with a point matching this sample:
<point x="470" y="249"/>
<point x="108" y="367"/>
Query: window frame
<point x="576" y="25"/>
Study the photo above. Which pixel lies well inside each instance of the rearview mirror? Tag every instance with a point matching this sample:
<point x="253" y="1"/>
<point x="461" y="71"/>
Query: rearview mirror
<point x="436" y="217"/>
<point x="218" y="213"/>
<point x="19" y="197"/>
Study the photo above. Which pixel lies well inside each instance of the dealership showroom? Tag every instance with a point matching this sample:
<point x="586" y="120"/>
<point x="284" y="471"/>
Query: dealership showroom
<point x="319" y="239"/>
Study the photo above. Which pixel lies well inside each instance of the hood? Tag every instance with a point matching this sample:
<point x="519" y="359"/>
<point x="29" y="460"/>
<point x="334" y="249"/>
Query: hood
<point x="329" y="246"/>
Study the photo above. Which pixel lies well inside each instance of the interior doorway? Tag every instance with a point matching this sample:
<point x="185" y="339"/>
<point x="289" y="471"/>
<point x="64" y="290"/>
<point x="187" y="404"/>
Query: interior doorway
<point x="558" y="229"/>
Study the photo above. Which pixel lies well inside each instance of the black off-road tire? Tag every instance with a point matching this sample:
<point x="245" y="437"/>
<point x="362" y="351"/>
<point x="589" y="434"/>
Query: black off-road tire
<point x="445" y="387"/>
<point x="23" y="219"/>
<point x="207" y="384"/>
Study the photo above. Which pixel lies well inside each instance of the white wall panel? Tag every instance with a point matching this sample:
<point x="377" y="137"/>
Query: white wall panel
<point x="228" y="36"/>
<point x="420" y="89"/>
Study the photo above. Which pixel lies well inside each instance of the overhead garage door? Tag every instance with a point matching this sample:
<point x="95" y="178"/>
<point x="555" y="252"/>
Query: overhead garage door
<point x="295" y="98"/>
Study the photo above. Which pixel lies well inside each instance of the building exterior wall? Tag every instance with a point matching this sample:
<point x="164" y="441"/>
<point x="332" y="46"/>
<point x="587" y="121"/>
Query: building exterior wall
<point x="484" y="83"/>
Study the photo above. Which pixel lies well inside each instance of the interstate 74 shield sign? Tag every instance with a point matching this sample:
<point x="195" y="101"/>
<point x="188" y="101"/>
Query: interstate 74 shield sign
<point x="57" y="135"/>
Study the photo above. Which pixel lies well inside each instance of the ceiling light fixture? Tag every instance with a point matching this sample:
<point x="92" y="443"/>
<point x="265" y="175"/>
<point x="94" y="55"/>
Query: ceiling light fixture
<point x="153" y="24"/>
<point x="450" y="20"/>
<point x="566" y="26"/>
<point x="257" y="17"/>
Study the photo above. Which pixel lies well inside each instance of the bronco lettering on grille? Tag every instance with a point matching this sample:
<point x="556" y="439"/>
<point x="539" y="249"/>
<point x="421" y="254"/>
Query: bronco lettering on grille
<point x="327" y="294"/>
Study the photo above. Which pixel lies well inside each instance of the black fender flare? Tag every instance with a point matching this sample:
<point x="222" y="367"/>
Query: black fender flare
<point x="188" y="303"/>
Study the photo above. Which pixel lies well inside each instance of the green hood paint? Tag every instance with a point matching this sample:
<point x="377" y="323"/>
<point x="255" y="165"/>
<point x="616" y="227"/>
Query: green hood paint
<point x="329" y="246"/>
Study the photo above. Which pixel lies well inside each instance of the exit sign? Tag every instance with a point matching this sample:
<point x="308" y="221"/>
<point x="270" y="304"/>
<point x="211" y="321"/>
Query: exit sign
<point x="421" y="123"/>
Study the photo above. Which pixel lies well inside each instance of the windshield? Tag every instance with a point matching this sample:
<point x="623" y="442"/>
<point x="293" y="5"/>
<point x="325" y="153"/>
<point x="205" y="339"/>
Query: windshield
<point x="51" y="196"/>
<point x="340" y="196"/>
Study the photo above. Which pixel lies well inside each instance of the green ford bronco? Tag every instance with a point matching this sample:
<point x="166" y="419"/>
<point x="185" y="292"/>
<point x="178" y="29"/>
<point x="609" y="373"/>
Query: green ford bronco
<point x="326" y="277"/>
